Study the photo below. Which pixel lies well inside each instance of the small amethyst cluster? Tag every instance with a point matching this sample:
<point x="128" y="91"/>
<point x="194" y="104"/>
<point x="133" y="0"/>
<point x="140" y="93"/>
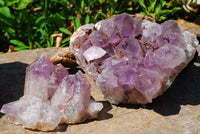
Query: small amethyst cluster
<point x="52" y="97"/>
<point x="132" y="60"/>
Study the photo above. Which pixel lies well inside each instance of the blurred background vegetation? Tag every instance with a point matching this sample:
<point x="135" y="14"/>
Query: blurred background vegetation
<point x="29" y="24"/>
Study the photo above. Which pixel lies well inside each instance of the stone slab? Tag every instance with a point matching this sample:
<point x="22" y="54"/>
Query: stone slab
<point x="189" y="26"/>
<point x="177" y="111"/>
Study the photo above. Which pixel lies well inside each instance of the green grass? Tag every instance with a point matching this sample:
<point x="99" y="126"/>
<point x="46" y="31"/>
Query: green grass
<point x="28" y="24"/>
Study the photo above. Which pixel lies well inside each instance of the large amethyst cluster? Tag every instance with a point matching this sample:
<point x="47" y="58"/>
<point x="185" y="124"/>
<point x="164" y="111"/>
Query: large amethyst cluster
<point x="52" y="97"/>
<point x="132" y="60"/>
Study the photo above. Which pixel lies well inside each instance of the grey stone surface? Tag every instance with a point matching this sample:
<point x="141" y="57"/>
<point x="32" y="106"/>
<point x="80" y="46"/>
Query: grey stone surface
<point x="177" y="111"/>
<point x="189" y="26"/>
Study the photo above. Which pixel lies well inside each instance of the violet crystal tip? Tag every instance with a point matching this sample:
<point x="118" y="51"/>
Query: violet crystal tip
<point x="52" y="97"/>
<point x="133" y="60"/>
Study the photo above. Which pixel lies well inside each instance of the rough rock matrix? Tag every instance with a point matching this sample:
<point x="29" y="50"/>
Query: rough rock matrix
<point x="132" y="60"/>
<point x="52" y="97"/>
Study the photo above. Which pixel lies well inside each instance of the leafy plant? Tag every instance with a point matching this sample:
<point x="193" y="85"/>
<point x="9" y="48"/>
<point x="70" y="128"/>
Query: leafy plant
<point x="29" y="24"/>
<point x="158" y="9"/>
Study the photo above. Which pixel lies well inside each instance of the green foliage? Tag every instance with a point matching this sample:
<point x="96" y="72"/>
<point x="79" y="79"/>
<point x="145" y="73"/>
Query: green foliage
<point x="29" y="24"/>
<point x="158" y="9"/>
<point x="20" y="45"/>
<point x="64" y="30"/>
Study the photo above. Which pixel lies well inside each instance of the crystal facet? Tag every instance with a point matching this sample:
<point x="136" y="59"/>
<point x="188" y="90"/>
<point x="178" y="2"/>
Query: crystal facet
<point x="52" y="97"/>
<point x="142" y="58"/>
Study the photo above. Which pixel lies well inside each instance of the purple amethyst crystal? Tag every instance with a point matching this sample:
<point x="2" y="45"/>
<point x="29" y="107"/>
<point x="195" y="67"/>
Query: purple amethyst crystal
<point x="132" y="60"/>
<point x="51" y="97"/>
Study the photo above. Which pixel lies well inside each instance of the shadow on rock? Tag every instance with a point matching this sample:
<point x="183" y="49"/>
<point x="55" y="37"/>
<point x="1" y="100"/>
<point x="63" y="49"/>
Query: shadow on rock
<point x="11" y="82"/>
<point x="74" y="70"/>
<point x="130" y="106"/>
<point x="61" y="128"/>
<point x="103" y="115"/>
<point x="184" y="91"/>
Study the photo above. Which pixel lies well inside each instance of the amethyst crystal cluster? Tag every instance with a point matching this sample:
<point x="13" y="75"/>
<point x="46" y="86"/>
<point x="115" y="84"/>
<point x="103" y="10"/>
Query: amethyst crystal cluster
<point x="51" y="97"/>
<point x="132" y="60"/>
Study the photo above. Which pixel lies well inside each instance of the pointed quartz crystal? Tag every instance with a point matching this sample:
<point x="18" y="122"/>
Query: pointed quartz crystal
<point x="52" y="97"/>
<point x="142" y="58"/>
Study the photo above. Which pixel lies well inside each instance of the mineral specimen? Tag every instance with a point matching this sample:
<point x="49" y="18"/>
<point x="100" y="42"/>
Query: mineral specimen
<point x="51" y="97"/>
<point x="132" y="60"/>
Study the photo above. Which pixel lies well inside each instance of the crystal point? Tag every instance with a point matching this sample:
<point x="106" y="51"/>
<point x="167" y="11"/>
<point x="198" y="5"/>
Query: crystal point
<point x="52" y="97"/>
<point x="142" y="58"/>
